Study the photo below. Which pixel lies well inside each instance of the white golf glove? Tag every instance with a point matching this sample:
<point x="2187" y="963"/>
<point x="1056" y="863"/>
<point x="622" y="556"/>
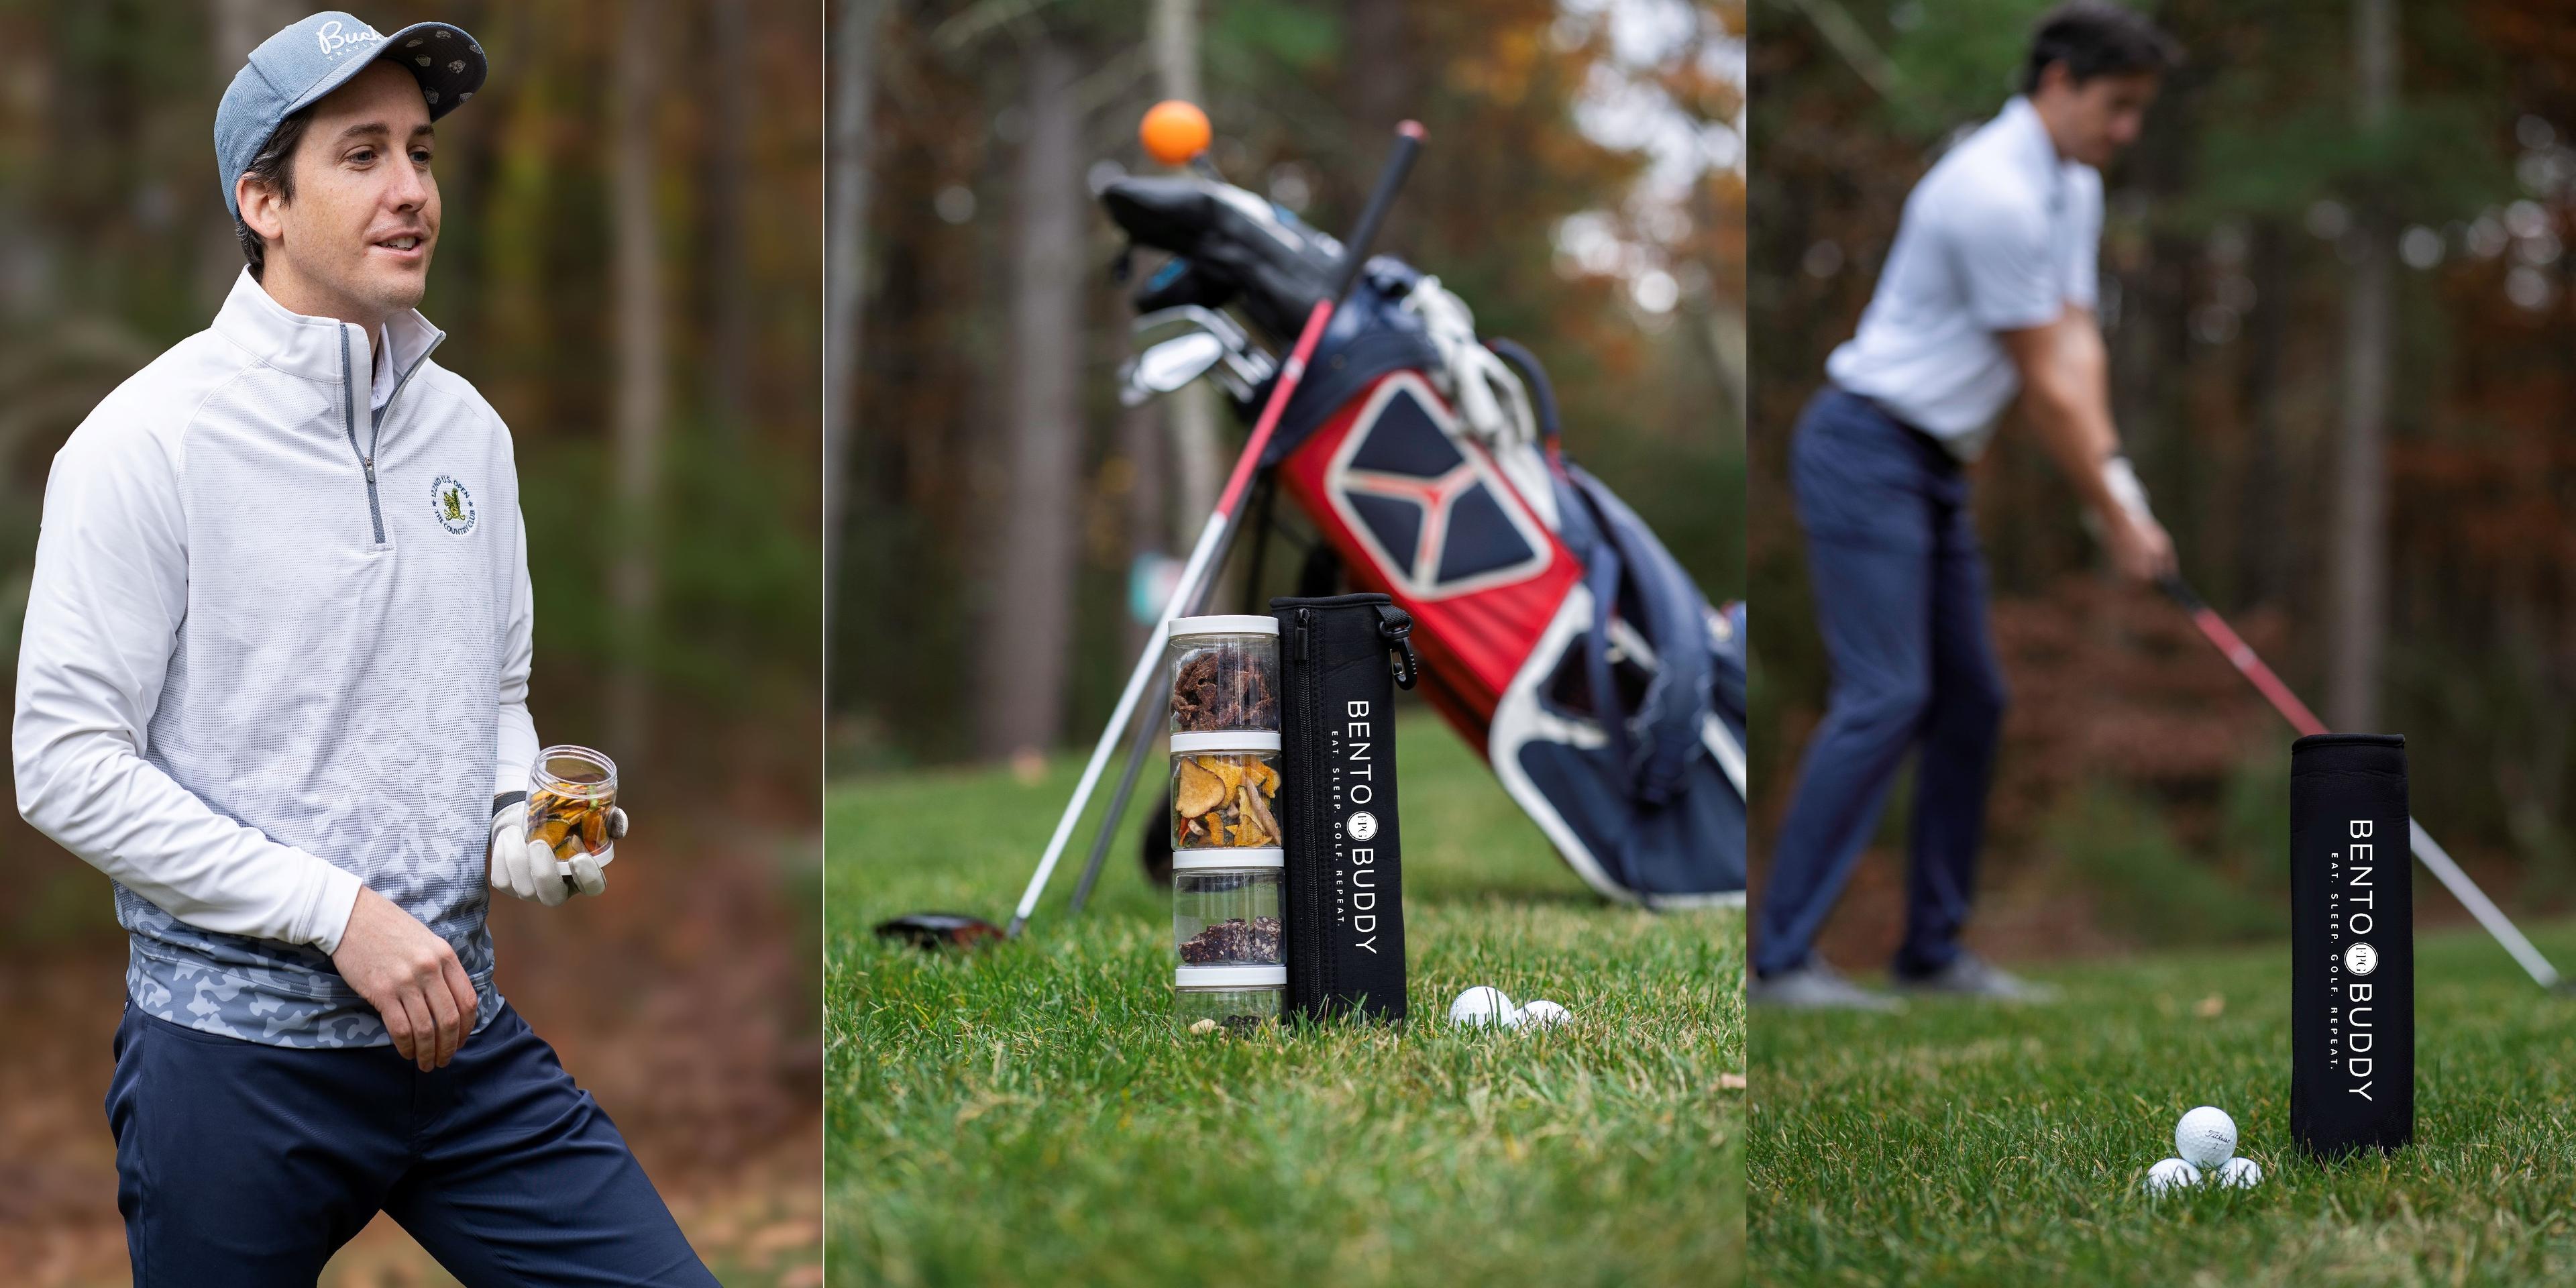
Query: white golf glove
<point x="527" y="868"/>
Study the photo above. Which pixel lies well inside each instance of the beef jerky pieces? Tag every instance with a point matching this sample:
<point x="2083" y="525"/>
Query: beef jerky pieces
<point x="1221" y="689"/>
<point x="1224" y="674"/>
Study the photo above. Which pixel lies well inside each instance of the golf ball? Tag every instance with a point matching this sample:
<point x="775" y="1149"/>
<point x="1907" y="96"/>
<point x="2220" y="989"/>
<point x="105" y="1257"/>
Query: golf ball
<point x="2205" y="1137"/>
<point x="2171" y="1174"/>
<point x="1541" y="1014"/>
<point x="2240" y="1174"/>
<point x="1484" y="1005"/>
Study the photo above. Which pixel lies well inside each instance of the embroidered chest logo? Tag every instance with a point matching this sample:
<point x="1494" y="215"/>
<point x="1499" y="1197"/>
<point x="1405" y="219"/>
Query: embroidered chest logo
<point x="451" y="505"/>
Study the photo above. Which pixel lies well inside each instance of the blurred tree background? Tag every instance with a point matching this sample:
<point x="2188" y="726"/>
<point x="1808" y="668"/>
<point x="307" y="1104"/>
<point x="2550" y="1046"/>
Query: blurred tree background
<point x="630" y="269"/>
<point x="1582" y="190"/>
<point x="2340" y="321"/>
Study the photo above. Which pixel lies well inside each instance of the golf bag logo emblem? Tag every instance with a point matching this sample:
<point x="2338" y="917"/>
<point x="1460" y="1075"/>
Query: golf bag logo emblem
<point x="1434" y="513"/>
<point x="1363" y="826"/>
<point x="451" y="505"/>
<point x="2361" y="959"/>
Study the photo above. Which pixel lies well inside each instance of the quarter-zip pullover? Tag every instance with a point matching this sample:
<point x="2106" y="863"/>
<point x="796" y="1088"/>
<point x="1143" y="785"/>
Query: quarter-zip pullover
<point x="277" y="647"/>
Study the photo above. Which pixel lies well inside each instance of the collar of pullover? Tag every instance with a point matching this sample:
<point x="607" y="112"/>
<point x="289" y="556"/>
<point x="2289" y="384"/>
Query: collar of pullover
<point x="314" y="348"/>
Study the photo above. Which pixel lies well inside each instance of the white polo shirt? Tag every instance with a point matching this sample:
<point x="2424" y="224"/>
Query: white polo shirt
<point x="2001" y="235"/>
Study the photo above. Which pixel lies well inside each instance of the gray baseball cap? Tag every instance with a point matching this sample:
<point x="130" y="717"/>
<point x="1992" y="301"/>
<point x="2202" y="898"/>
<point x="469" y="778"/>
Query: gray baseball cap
<point x="313" y="56"/>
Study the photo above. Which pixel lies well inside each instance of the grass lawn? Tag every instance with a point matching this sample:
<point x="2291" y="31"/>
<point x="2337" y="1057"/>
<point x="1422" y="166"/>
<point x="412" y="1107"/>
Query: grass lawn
<point x="1959" y="1144"/>
<point x="1030" y="1114"/>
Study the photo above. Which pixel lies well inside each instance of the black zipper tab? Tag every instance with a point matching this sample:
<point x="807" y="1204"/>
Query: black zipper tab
<point x="1396" y="627"/>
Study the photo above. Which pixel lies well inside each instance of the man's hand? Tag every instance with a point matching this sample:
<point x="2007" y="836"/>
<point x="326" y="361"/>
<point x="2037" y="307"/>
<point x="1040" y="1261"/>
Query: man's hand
<point x="527" y="868"/>
<point x="2138" y="544"/>
<point x="410" y="976"/>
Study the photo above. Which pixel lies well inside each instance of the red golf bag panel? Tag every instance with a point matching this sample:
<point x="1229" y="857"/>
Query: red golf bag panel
<point x="1418" y="510"/>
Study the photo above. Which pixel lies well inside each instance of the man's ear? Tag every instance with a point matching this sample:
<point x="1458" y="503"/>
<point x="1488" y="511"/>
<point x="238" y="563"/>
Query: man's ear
<point x="2056" y="76"/>
<point x="260" y="207"/>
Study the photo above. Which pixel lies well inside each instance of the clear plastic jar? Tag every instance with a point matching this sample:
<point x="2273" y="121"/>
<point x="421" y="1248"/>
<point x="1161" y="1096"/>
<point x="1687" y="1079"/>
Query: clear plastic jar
<point x="570" y="793"/>
<point x="1225" y="791"/>
<point x="1211" y="999"/>
<point x="1223" y="673"/>
<point x="1225" y="907"/>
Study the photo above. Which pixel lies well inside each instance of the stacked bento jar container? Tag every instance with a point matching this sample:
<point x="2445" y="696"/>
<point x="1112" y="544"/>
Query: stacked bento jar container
<point x="1226" y="856"/>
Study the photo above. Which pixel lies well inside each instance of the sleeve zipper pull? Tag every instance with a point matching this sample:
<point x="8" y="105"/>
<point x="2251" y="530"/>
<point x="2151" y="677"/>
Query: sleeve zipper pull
<point x="1396" y="626"/>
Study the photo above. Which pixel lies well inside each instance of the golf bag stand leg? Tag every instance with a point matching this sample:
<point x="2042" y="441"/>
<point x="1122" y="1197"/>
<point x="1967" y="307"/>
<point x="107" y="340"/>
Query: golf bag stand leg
<point x="1145" y="726"/>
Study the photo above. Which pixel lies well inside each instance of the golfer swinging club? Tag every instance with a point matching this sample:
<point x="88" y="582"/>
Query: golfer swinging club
<point x="1988" y="291"/>
<point x="274" y="683"/>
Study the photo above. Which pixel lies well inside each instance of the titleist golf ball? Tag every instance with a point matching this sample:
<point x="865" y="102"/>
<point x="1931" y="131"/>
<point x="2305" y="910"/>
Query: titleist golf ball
<point x="1541" y="1014"/>
<point x="2240" y="1174"/>
<point x="2171" y="1174"/>
<point x="1483" y="1005"/>
<point x="2205" y="1137"/>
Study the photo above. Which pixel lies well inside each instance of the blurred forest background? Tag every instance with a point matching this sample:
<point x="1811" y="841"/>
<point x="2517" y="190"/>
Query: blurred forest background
<point x="630" y="269"/>
<point x="1582" y="190"/>
<point x="2340" y="322"/>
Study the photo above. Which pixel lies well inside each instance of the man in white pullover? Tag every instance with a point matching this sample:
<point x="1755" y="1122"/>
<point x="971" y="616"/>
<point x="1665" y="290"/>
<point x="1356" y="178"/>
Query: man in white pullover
<point x="274" y="683"/>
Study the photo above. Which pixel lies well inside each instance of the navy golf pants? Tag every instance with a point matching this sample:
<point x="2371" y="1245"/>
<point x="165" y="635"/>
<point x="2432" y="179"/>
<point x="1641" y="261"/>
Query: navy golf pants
<point x="245" y="1164"/>
<point x="1900" y="593"/>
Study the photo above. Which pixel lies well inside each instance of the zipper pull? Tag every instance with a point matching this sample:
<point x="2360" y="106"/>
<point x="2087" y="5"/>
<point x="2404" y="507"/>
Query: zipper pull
<point x="1304" y="615"/>
<point x="1396" y="627"/>
<point x="370" y="463"/>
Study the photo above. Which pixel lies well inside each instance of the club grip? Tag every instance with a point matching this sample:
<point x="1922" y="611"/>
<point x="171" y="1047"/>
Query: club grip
<point x="1399" y="163"/>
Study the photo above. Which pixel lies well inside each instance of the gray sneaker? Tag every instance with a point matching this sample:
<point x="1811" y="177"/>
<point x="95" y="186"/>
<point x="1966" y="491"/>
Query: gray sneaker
<point x="1816" y="986"/>
<point x="1969" y="975"/>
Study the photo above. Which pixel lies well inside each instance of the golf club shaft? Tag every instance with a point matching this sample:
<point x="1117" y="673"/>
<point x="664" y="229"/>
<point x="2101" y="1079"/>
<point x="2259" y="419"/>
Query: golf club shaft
<point x="2427" y="851"/>
<point x="1220" y="523"/>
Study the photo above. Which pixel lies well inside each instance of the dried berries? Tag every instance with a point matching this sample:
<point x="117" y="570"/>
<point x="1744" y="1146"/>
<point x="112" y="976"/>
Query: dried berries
<point x="1234" y="940"/>
<point x="1223" y="801"/>
<point x="1223" y="688"/>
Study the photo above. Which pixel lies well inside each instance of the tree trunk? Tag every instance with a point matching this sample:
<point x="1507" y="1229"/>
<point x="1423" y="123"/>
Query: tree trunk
<point x="728" y="195"/>
<point x="853" y="89"/>
<point x="2358" y="563"/>
<point x="636" y="472"/>
<point x="1190" y="413"/>
<point x="1027" y="633"/>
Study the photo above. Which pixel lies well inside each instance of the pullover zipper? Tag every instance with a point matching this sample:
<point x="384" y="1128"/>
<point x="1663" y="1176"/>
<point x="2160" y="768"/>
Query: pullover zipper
<point x="375" y="422"/>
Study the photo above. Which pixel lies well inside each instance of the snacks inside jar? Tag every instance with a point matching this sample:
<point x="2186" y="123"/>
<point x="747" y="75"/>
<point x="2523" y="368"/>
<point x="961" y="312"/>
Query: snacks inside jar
<point x="1225" y="791"/>
<point x="1224" y="673"/>
<point x="1225" y="907"/>
<point x="1219" y="999"/>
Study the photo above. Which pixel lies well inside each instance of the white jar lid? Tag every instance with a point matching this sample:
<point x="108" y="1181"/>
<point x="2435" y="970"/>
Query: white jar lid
<point x="1226" y="624"/>
<point x="1235" y="740"/>
<point x="1230" y="977"/>
<point x="1264" y="857"/>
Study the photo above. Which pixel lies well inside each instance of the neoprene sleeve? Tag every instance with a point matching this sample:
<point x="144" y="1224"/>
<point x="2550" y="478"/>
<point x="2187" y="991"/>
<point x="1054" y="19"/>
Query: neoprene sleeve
<point x="2352" y="944"/>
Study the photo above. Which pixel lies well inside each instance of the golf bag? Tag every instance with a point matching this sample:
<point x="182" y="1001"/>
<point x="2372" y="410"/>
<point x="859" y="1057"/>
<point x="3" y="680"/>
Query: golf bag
<point x="1556" y="634"/>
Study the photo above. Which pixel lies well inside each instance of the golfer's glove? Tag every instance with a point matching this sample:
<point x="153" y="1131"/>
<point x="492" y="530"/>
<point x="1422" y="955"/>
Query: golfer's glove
<point x="527" y="868"/>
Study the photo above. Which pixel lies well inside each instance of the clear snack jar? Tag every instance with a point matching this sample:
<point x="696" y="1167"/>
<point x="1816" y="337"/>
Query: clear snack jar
<point x="570" y="793"/>
<point x="1225" y="791"/>
<point x="1223" y="673"/>
<point x="1209" y="999"/>
<point x="1225" y="907"/>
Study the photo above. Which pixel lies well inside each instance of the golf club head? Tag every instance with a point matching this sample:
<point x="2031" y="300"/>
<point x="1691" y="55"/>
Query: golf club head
<point x="1171" y="364"/>
<point x="931" y="930"/>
